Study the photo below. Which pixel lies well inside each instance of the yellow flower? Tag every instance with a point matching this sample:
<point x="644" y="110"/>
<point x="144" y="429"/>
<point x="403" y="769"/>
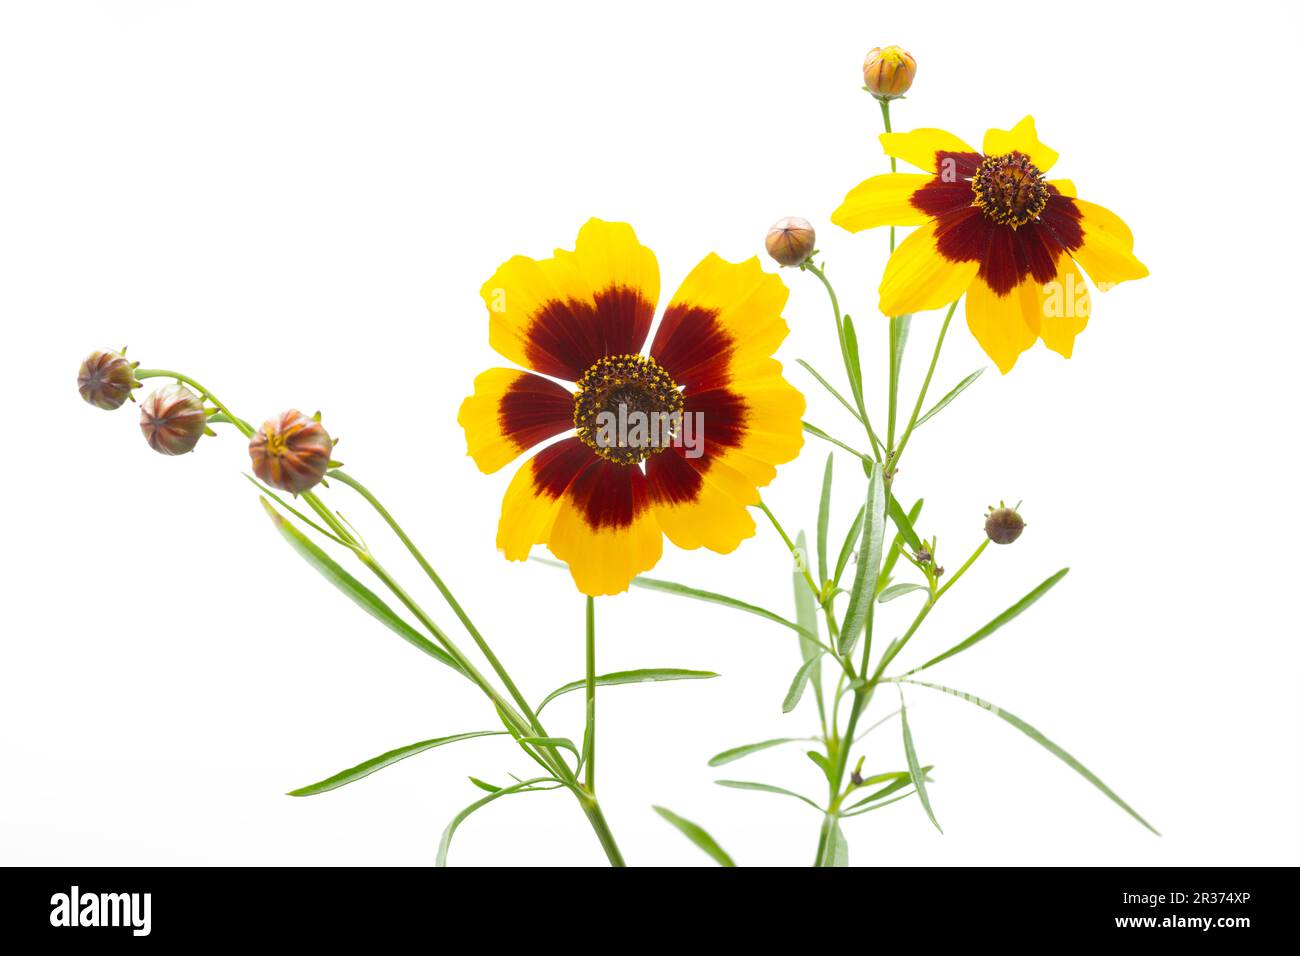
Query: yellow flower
<point x="603" y="498"/>
<point x="994" y="227"/>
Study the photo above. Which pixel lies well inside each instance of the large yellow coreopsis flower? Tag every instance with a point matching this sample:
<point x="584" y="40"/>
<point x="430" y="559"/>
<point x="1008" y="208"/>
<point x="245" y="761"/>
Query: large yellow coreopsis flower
<point x="603" y="498"/>
<point x="992" y="226"/>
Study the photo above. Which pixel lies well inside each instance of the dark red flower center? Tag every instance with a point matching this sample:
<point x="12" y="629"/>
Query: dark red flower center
<point x="1009" y="189"/>
<point x="627" y="408"/>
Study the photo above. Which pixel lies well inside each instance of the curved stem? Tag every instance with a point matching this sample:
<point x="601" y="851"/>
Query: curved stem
<point x="245" y="429"/>
<point x="589" y="741"/>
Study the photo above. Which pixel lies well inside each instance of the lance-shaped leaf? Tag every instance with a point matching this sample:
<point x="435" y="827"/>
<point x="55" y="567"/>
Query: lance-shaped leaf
<point x="366" y="768"/>
<point x="942" y="403"/>
<point x="354" y="589"/>
<point x="897" y="591"/>
<point x="914" y="766"/>
<point x="644" y="676"/>
<point x="1034" y="734"/>
<point x="735" y="753"/>
<point x="805" y="612"/>
<point x="824" y="519"/>
<point x="445" y="843"/>
<point x="1007" y="615"/>
<point x="859" y="615"/>
<point x="765" y="788"/>
<point x="896" y="546"/>
<point x="697" y="835"/>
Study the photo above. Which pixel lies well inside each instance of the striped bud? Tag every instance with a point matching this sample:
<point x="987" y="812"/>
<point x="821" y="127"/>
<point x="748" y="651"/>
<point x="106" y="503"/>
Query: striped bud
<point x="106" y="379"/>
<point x="888" y="73"/>
<point x="173" y="420"/>
<point x="790" y="241"/>
<point x="291" y="452"/>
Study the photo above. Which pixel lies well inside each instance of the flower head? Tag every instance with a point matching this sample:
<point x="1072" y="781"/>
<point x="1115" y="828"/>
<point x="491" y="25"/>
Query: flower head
<point x="673" y="440"/>
<point x="790" y="241"/>
<point x="888" y="73"/>
<point x="993" y="227"/>
<point x="291" y="452"/>
<point x="173" y="420"/>
<point x="106" y="379"/>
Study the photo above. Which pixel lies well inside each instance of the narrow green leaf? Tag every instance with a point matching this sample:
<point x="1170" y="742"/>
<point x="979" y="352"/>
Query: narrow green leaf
<point x="822" y="763"/>
<point x="765" y="788"/>
<point x="847" y="549"/>
<point x="838" y="852"/>
<point x="830" y="388"/>
<point x="564" y="742"/>
<point x="445" y="843"/>
<point x="368" y="767"/>
<point x="899" y="326"/>
<point x="897" y="781"/>
<point x="697" y="835"/>
<point x="858" y="616"/>
<point x="851" y="355"/>
<point x="354" y="589"/>
<point x="800" y="681"/>
<point x="816" y="432"/>
<point x="896" y="546"/>
<point x="998" y="621"/>
<point x="483" y="785"/>
<point x="669" y="587"/>
<point x="877" y="806"/>
<point x="645" y="676"/>
<point x="735" y="753"/>
<point x="942" y="403"/>
<point x="1036" y="735"/>
<point x="898" y="590"/>
<point x="914" y="766"/>
<point x="824" y="519"/>
<point x="903" y="522"/>
<point x="805" y="614"/>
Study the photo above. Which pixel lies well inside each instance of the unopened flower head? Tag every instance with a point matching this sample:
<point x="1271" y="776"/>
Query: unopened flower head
<point x="888" y="72"/>
<point x="790" y="241"/>
<point x="1003" y="525"/>
<point x="106" y="379"/>
<point x="173" y="420"/>
<point x="291" y="452"/>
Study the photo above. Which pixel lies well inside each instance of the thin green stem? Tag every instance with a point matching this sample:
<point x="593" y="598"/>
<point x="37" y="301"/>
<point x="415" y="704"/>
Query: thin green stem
<point x="801" y="558"/>
<point x="142" y="373"/>
<point x="925" y="387"/>
<point x="893" y="163"/>
<point x="589" y="740"/>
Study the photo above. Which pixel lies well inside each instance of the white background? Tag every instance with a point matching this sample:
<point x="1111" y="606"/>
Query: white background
<point x="297" y="203"/>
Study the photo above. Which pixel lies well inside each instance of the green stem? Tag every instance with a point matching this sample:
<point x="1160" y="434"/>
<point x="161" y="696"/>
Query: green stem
<point x="893" y="163"/>
<point x="493" y="661"/>
<point x="142" y="373"/>
<point x="794" y="550"/>
<point x="925" y="387"/>
<point x="590" y="738"/>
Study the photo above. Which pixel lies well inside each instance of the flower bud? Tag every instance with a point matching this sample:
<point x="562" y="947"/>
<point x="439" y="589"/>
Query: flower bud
<point x="291" y="452"/>
<point x="791" y="240"/>
<point x="888" y="73"/>
<point x="173" y="420"/>
<point x="106" y="379"/>
<point x="1003" y="525"/>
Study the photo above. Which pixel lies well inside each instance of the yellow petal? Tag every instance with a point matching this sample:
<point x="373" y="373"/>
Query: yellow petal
<point x="560" y="315"/>
<point x="1065" y="307"/>
<point x="722" y="322"/>
<point x="1064" y="186"/>
<point x="694" y="503"/>
<point x="917" y="277"/>
<point x="606" y="530"/>
<point x="920" y="145"/>
<point x="1107" y="250"/>
<point x="536" y="493"/>
<point x="1004" y="325"/>
<point x="1021" y="138"/>
<point x="510" y="412"/>
<point x="881" y="201"/>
